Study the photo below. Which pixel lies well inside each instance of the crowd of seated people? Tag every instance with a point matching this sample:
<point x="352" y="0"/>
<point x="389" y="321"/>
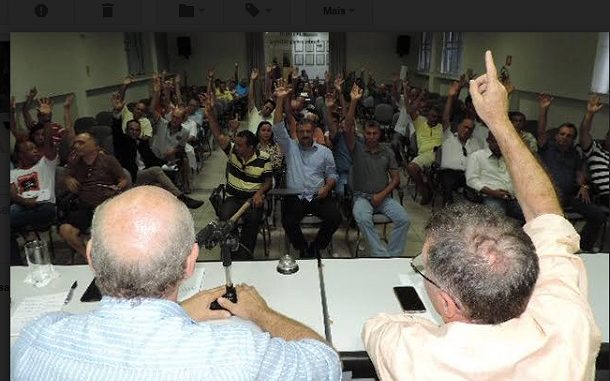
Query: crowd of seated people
<point x="300" y="126"/>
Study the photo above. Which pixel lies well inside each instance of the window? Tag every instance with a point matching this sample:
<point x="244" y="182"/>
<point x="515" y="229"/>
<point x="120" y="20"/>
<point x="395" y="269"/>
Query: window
<point x="425" y="52"/>
<point x="452" y="53"/>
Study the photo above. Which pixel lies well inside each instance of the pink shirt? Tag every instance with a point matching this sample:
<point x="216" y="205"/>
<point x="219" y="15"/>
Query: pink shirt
<point x="556" y="338"/>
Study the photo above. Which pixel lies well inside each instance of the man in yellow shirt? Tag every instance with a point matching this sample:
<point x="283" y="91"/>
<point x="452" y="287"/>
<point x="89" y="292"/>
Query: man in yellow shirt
<point x="429" y="135"/>
<point x="513" y="301"/>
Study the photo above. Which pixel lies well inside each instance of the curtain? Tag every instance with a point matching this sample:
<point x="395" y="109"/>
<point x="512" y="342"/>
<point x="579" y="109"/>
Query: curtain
<point x="135" y="53"/>
<point x="255" y="56"/>
<point x="338" y="44"/>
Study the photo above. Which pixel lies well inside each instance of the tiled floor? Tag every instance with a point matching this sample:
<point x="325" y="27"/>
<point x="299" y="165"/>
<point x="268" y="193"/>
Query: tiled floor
<point x="212" y="173"/>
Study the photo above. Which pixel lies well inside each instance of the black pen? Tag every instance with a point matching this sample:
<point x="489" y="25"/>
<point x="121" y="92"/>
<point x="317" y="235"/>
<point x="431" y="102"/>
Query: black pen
<point x="71" y="292"/>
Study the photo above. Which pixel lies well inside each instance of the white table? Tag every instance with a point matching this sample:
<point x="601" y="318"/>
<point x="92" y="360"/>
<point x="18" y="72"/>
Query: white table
<point x="598" y="273"/>
<point x="297" y="295"/>
<point x="357" y="289"/>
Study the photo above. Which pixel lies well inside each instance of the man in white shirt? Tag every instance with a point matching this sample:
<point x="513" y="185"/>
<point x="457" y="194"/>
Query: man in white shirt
<point x="254" y="115"/>
<point x="487" y="173"/>
<point x="32" y="184"/>
<point x="456" y="147"/>
<point x="513" y="300"/>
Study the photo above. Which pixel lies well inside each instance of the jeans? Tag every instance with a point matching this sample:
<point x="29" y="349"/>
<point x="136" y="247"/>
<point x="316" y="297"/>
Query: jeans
<point x="363" y="213"/>
<point x="43" y="213"/>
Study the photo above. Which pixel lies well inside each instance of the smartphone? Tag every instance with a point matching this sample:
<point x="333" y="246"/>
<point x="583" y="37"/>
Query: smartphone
<point x="92" y="294"/>
<point x="409" y="299"/>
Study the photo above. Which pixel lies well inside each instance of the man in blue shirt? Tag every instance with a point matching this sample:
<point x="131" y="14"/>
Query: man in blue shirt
<point x="310" y="172"/>
<point x="142" y="248"/>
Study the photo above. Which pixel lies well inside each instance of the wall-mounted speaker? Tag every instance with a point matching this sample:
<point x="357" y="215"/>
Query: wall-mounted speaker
<point x="184" y="46"/>
<point x="403" y="44"/>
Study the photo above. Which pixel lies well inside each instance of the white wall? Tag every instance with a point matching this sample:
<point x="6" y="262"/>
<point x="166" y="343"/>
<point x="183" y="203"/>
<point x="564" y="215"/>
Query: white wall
<point x="560" y="64"/>
<point x="90" y="65"/>
<point x="377" y="51"/>
<point x="219" y="50"/>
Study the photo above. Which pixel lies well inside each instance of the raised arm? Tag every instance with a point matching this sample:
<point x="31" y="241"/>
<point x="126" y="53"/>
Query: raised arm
<point x="544" y="102"/>
<point x="593" y="106"/>
<point x="68" y="122"/>
<point x="452" y="94"/>
<point x="533" y="187"/>
<point x="331" y="106"/>
<point x="339" y="88"/>
<point x="125" y="85"/>
<point x="25" y="110"/>
<point x="251" y="96"/>
<point x="178" y="88"/>
<point x="207" y="103"/>
<point x="19" y="134"/>
<point x="155" y="97"/>
<point x="350" y="120"/>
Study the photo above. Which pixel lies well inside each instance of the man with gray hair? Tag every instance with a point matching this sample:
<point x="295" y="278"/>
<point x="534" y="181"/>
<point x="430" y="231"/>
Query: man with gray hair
<point x="513" y="301"/>
<point x="142" y="248"/>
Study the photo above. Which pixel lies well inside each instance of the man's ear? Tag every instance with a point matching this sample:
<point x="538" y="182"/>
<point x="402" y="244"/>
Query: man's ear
<point x="88" y="253"/>
<point x="191" y="260"/>
<point x="451" y="310"/>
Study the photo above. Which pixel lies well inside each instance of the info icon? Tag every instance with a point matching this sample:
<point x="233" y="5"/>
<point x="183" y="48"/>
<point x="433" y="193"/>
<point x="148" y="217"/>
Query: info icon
<point x="41" y="10"/>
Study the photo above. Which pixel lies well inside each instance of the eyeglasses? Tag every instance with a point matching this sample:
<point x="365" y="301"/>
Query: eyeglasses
<point x="417" y="263"/>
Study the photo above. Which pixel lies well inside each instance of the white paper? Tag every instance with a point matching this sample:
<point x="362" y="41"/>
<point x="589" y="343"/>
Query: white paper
<point x="33" y="307"/>
<point x="192" y="285"/>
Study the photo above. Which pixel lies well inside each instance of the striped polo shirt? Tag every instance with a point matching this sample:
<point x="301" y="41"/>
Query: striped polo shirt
<point x="245" y="178"/>
<point x="597" y="159"/>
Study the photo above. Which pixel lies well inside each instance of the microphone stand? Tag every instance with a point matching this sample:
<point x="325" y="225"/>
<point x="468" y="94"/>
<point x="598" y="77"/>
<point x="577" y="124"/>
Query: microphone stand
<point x="226" y="241"/>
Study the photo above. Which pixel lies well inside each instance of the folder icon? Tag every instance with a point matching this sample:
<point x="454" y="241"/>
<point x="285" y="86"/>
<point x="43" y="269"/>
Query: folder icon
<point x="185" y="10"/>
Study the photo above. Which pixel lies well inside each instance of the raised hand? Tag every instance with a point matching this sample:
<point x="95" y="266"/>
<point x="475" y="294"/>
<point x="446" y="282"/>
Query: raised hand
<point x="544" y="100"/>
<point x="330" y="100"/>
<point x="454" y="89"/>
<point x="69" y="100"/>
<point x="45" y="106"/>
<point x="234" y="123"/>
<point x="281" y="91"/>
<point x="489" y="95"/>
<point x="254" y="73"/>
<point x="31" y="94"/>
<point x="594" y="104"/>
<point x="156" y="83"/>
<point x="207" y="102"/>
<point x="339" y="82"/>
<point x="356" y="92"/>
<point x="117" y="102"/>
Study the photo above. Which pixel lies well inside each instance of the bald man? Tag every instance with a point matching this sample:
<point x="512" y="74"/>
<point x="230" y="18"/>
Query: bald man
<point x="142" y="248"/>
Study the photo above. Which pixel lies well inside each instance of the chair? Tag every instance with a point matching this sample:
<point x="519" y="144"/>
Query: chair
<point x="217" y="198"/>
<point x="378" y="219"/>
